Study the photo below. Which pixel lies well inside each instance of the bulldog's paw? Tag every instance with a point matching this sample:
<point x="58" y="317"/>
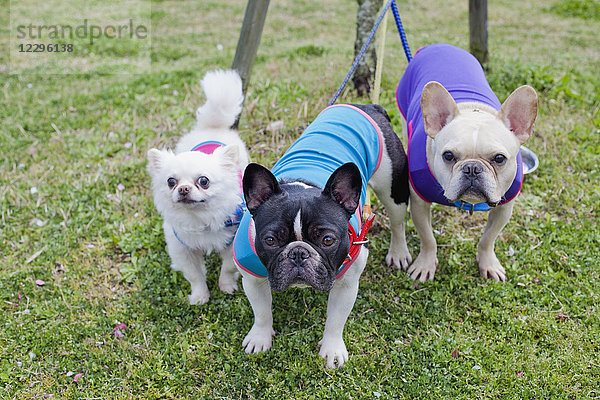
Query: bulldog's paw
<point x="398" y="258"/>
<point x="258" y="339"/>
<point x="423" y="268"/>
<point x="228" y="284"/>
<point x="490" y="267"/>
<point x="333" y="351"/>
<point x="199" y="296"/>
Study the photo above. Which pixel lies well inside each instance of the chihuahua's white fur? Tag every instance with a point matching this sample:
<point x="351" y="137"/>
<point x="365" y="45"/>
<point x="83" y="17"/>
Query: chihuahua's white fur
<point x="200" y="222"/>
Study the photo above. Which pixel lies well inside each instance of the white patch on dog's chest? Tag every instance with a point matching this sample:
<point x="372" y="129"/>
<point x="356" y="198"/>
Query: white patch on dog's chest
<point x="298" y="226"/>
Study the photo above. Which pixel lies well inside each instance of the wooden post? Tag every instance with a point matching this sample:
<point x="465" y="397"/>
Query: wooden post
<point x="245" y="53"/>
<point x="478" y="30"/>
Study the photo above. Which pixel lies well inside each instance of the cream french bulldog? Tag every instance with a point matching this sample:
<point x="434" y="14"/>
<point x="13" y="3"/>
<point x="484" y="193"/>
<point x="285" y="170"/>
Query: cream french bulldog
<point x="464" y="151"/>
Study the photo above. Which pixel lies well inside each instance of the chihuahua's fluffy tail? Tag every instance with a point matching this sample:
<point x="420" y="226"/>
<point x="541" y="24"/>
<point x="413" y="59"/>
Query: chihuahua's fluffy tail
<point x="224" y="99"/>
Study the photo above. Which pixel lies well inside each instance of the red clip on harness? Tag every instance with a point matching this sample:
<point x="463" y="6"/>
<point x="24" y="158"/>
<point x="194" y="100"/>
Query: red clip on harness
<point x="357" y="241"/>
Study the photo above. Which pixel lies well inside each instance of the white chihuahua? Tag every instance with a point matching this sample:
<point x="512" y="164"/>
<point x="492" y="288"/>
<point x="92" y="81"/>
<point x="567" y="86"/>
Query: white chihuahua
<point x="197" y="189"/>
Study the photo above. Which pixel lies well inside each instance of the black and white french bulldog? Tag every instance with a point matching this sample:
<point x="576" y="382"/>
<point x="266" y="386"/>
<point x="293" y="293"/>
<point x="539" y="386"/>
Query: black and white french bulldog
<point x="464" y="149"/>
<point x="306" y="218"/>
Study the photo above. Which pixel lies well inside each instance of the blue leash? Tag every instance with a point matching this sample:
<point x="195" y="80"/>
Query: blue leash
<point x="363" y="50"/>
<point x="401" y="31"/>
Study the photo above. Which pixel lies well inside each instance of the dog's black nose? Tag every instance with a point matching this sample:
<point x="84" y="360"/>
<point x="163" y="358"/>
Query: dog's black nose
<point x="472" y="169"/>
<point x="298" y="253"/>
<point x="183" y="190"/>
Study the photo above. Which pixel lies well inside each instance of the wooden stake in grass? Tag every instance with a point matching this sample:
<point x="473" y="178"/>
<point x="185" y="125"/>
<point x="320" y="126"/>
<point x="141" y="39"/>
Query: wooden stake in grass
<point x="245" y="53"/>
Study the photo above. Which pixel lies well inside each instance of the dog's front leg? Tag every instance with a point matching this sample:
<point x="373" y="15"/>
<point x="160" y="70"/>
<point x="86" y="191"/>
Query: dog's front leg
<point x="191" y="263"/>
<point x="341" y="301"/>
<point x="489" y="266"/>
<point x="258" y="291"/>
<point x="426" y="263"/>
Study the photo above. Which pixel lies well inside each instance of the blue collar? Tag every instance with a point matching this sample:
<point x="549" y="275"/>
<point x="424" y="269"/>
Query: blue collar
<point x="232" y="220"/>
<point x="466" y="206"/>
<point x="180" y="241"/>
<point x="237" y="215"/>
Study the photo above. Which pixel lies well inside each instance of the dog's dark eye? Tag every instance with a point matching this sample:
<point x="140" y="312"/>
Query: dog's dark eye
<point x="171" y="182"/>
<point x="448" y="156"/>
<point x="270" y="241"/>
<point x="499" y="159"/>
<point x="328" y="241"/>
<point x="203" y="182"/>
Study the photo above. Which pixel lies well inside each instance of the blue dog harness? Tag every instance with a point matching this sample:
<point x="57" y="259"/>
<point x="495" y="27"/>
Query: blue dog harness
<point x="233" y="220"/>
<point x="340" y="134"/>
<point x="461" y="74"/>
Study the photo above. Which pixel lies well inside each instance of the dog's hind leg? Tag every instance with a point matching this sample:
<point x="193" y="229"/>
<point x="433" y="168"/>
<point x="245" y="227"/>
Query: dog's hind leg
<point x="229" y="272"/>
<point x="390" y="182"/>
<point x="382" y="183"/>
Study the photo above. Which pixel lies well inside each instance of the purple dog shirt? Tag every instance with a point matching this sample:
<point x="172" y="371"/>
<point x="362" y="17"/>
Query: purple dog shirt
<point x="461" y="74"/>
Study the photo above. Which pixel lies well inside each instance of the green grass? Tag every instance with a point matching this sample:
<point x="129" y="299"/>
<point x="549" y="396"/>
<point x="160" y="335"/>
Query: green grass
<point x="588" y="9"/>
<point x="101" y="253"/>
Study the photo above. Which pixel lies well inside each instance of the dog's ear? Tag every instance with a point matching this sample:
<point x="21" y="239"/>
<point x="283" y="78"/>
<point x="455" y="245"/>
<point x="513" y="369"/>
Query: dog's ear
<point x="230" y="155"/>
<point x="156" y="158"/>
<point x="438" y="106"/>
<point x="518" y="112"/>
<point x="259" y="186"/>
<point x="344" y="187"/>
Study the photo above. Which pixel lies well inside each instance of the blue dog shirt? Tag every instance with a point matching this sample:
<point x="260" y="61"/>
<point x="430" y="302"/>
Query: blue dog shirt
<point x="461" y="74"/>
<point x="340" y="134"/>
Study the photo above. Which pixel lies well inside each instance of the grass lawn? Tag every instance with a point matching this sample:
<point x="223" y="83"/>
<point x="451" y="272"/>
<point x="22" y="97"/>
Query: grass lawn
<point x="77" y="214"/>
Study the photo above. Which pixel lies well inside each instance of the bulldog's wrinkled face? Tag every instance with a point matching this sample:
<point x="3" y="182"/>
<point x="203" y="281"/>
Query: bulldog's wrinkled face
<point x="472" y="150"/>
<point x="302" y="231"/>
<point x="474" y="158"/>
<point x="306" y="243"/>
